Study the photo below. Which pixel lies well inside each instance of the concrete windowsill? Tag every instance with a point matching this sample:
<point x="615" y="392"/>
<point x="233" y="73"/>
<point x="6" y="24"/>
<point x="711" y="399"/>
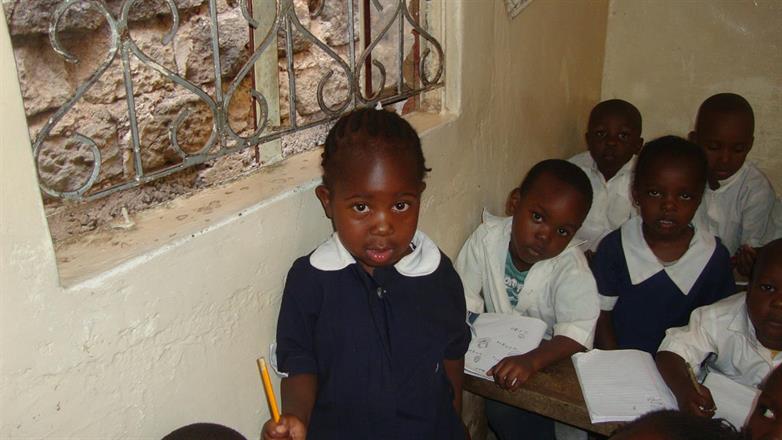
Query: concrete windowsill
<point x="163" y="228"/>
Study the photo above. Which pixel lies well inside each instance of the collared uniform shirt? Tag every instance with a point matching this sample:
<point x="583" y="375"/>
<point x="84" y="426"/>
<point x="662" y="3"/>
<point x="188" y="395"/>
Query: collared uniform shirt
<point x="774" y="228"/>
<point x="561" y="291"/>
<point x="738" y="211"/>
<point x="724" y="328"/>
<point x="646" y="297"/>
<point x="612" y="202"/>
<point x="376" y="342"/>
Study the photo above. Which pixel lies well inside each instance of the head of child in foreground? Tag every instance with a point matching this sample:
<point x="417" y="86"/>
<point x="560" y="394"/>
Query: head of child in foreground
<point x="764" y="296"/>
<point x="613" y="135"/>
<point x="765" y="422"/>
<point x="548" y="208"/>
<point x="676" y="425"/>
<point x="373" y="177"/>
<point x="670" y="177"/>
<point x="724" y="129"/>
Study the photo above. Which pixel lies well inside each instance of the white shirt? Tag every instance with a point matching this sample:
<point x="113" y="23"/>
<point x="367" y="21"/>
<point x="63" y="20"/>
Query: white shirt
<point x="612" y="203"/>
<point x="738" y="211"/>
<point x="561" y="291"/>
<point x="774" y="227"/>
<point x="725" y="329"/>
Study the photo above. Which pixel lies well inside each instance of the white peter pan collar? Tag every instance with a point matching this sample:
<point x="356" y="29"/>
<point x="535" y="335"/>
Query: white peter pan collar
<point x="423" y="260"/>
<point x="642" y="264"/>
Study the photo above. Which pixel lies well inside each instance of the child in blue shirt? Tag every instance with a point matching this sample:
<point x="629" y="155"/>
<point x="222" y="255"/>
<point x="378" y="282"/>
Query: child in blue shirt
<point x="372" y="330"/>
<point x="657" y="268"/>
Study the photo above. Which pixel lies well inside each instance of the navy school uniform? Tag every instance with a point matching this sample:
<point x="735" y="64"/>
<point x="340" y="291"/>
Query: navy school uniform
<point x="647" y="297"/>
<point x="376" y="343"/>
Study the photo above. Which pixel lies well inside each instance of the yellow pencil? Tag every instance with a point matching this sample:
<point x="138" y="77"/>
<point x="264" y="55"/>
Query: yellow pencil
<point x="269" y="391"/>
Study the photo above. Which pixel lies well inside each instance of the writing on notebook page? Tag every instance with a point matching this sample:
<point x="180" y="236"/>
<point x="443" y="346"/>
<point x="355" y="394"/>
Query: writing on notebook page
<point x="497" y="336"/>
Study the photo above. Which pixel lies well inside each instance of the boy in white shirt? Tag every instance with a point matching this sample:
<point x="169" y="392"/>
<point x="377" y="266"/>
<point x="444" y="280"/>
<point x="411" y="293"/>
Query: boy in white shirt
<point x="744" y="331"/>
<point x="529" y="265"/>
<point x="739" y="198"/>
<point x="614" y="138"/>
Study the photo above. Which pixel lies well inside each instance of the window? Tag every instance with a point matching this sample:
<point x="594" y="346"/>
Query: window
<point x="179" y="94"/>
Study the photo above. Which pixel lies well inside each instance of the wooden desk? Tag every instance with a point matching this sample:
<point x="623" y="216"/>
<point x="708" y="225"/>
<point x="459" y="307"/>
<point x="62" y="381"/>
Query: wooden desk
<point x="553" y="392"/>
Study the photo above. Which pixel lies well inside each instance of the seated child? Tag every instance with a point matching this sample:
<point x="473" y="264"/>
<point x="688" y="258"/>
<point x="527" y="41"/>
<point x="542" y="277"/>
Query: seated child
<point x="676" y="425"/>
<point x="744" y="331"/>
<point x="765" y="421"/>
<point x="614" y="138"/>
<point x="527" y="264"/>
<point x="372" y="330"/>
<point x="739" y="197"/>
<point x="657" y="268"/>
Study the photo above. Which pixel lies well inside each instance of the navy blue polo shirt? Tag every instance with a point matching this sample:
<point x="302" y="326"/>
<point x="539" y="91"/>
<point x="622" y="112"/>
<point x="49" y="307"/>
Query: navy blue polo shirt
<point x="376" y="343"/>
<point x="644" y="311"/>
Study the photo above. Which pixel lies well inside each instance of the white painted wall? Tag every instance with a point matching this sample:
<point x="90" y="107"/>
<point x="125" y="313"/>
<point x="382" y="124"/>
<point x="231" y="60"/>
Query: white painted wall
<point x="667" y="56"/>
<point x="170" y="338"/>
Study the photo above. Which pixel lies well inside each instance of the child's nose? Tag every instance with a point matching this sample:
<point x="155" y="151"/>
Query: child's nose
<point x="543" y="233"/>
<point x="382" y="224"/>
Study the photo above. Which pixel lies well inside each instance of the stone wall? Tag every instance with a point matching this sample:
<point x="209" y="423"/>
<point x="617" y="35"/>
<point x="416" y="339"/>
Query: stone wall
<point x="48" y="81"/>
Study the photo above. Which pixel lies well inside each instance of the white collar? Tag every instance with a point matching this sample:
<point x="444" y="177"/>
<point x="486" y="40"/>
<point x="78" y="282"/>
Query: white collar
<point x="730" y="181"/>
<point x="742" y="325"/>
<point x="626" y="168"/>
<point x="423" y="260"/>
<point x="642" y="264"/>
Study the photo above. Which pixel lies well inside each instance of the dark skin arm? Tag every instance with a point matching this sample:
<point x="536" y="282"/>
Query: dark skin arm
<point x="605" y="338"/>
<point x="692" y="398"/>
<point x="298" y="399"/>
<point x="511" y="372"/>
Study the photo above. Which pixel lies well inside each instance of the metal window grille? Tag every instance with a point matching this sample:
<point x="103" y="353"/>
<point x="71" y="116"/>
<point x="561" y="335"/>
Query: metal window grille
<point x="223" y="139"/>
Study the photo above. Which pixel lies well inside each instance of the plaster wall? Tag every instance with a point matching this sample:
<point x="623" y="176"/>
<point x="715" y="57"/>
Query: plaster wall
<point x="170" y="337"/>
<point x="667" y="56"/>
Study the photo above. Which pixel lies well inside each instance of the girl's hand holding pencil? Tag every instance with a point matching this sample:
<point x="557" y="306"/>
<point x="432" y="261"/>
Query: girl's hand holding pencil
<point x="279" y="426"/>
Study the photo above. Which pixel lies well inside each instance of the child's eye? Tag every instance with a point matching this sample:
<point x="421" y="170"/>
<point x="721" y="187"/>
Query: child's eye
<point x="599" y="133"/>
<point x="624" y="137"/>
<point x="401" y="206"/>
<point x="563" y="232"/>
<point x="653" y="193"/>
<point x="686" y="196"/>
<point x="768" y="288"/>
<point x="739" y="148"/>
<point x="361" y="208"/>
<point x="536" y="217"/>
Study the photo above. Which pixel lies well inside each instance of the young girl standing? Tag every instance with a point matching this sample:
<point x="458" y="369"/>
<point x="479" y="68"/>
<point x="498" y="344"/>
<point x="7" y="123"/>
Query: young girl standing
<point x="657" y="268"/>
<point x="372" y="329"/>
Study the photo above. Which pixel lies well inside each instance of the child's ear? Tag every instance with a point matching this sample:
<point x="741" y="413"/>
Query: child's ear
<point x="692" y="137"/>
<point x="639" y="146"/>
<point x="324" y="195"/>
<point x="423" y="187"/>
<point x="514" y="201"/>
<point x="634" y="195"/>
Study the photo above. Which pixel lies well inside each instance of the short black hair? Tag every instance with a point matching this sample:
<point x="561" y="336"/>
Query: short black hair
<point x="365" y="130"/>
<point x="677" y="425"/>
<point x="618" y="107"/>
<point x="724" y="103"/>
<point x="204" y="431"/>
<point x="678" y="150"/>
<point x="563" y="170"/>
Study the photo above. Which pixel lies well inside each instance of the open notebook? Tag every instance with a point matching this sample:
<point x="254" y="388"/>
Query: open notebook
<point x="734" y="400"/>
<point x="621" y="385"/>
<point x="496" y="336"/>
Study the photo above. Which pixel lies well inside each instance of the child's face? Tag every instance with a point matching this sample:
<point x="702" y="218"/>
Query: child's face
<point x="612" y="139"/>
<point x="374" y="204"/>
<point x="764" y="300"/>
<point x="544" y="220"/>
<point x="668" y="194"/>
<point x="765" y="422"/>
<point x="726" y="138"/>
